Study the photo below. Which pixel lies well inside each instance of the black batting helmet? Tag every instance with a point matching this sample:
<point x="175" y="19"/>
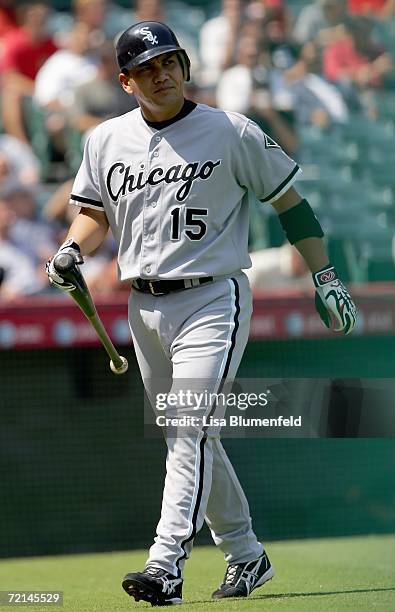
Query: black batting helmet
<point x="145" y="40"/>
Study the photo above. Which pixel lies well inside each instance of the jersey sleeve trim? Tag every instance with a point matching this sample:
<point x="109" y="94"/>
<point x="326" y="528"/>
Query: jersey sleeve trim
<point x="283" y="186"/>
<point x="92" y="203"/>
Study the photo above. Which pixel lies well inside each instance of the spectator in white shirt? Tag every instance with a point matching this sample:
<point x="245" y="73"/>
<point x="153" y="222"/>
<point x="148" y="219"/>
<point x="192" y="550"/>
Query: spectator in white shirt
<point x="218" y="41"/>
<point x="315" y="100"/>
<point x="254" y="87"/>
<point x="65" y="70"/>
<point x="58" y="79"/>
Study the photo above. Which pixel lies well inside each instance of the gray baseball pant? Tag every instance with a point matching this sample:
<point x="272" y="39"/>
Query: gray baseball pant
<point x="196" y="335"/>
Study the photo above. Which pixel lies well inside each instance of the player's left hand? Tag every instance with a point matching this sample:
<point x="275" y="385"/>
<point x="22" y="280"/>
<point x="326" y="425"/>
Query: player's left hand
<point x="54" y="277"/>
<point x="333" y="302"/>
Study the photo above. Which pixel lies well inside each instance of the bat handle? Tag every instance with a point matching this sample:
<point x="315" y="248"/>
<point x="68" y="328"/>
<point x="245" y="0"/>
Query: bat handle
<point x="63" y="262"/>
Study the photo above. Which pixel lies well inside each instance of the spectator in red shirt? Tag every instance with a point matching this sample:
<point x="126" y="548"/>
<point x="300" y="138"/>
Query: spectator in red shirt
<point x="24" y="50"/>
<point x="373" y="8"/>
<point x="356" y="60"/>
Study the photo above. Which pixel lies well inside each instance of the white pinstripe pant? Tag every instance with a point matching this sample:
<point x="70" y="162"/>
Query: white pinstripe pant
<point x="199" y="335"/>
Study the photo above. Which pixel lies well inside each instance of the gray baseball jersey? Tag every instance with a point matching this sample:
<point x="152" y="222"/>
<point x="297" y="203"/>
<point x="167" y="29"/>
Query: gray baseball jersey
<point x="177" y="199"/>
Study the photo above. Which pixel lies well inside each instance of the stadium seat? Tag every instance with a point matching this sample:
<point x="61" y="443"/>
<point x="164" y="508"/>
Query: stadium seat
<point x="274" y="231"/>
<point x="186" y="18"/>
<point x="377" y="258"/>
<point x="362" y="131"/>
<point x="34" y="119"/>
<point x="385" y="102"/>
<point x="381" y="173"/>
<point x="385" y="32"/>
<point x="333" y="158"/>
<point x="361" y="249"/>
<point x="343" y="254"/>
<point x="74" y="150"/>
<point x="360" y="197"/>
<point x="314" y="191"/>
<point x="296" y="6"/>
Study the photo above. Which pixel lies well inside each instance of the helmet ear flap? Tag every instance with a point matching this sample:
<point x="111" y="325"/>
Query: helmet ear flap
<point x="185" y="64"/>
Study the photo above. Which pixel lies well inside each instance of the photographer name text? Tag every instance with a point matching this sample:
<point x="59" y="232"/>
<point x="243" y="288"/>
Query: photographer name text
<point x="231" y="421"/>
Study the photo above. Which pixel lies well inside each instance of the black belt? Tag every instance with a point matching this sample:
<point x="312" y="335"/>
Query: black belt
<point x="163" y="287"/>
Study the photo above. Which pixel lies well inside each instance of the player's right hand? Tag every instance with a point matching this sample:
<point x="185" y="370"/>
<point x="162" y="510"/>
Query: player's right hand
<point x="333" y="302"/>
<point x="73" y="249"/>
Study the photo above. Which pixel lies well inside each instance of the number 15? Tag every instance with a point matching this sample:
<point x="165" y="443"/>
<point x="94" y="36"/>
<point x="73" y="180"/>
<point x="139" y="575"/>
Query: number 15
<point x="194" y="229"/>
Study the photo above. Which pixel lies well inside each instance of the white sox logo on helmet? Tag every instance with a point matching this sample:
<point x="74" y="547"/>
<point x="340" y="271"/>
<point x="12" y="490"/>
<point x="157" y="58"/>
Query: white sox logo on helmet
<point x="149" y="36"/>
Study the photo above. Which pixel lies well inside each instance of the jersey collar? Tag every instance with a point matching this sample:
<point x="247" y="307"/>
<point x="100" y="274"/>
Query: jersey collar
<point x="187" y="108"/>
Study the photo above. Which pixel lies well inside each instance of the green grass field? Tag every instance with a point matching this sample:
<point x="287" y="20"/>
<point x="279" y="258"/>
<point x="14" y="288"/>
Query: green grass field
<point x="356" y="573"/>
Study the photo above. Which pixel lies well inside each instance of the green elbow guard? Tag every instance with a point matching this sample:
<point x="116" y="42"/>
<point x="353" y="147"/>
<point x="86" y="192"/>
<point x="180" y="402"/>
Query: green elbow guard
<point x="300" y="222"/>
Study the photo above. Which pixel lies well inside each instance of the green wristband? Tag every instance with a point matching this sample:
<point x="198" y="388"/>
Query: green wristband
<point x="300" y="222"/>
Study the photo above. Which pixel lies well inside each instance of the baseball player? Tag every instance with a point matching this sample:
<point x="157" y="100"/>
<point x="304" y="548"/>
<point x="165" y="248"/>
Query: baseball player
<point x="172" y="180"/>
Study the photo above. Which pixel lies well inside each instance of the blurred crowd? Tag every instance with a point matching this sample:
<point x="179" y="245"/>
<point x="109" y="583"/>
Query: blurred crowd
<point x="285" y="64"/>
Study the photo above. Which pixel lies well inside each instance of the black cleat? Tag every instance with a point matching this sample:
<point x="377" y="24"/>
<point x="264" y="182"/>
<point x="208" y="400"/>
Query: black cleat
<point x="154" y="585"/>
<point x="242" y="578"/>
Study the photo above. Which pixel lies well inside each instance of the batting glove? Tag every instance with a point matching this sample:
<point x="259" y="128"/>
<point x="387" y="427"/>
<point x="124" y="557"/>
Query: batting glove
<point x="55" y="278"/>
<point x="333" y="302"/>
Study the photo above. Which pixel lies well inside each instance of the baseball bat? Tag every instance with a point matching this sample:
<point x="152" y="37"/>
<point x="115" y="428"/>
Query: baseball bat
<point x="65" y="266"/>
